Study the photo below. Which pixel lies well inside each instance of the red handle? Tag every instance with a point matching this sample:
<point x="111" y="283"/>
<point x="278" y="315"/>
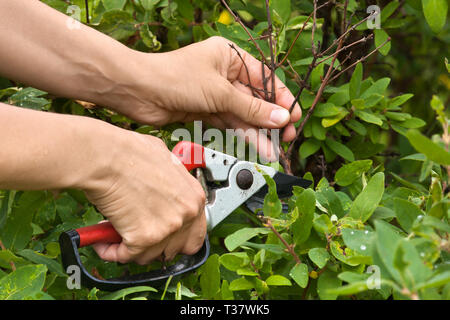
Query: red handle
<point x="102" y="232"/>
<point x="192" y="155"/>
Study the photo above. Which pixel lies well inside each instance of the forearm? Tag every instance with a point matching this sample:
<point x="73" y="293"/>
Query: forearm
<point x="39" y="49"/>
<point x="42" y="150"/>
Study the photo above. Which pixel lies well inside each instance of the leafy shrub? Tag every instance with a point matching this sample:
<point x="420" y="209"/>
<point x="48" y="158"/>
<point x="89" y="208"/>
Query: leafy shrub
<point x="374" y="225"/>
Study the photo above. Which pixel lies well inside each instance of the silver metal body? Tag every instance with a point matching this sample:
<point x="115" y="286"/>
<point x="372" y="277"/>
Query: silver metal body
<point x="224" y="168"/>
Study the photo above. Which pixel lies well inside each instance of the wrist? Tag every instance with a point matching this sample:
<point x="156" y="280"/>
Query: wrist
<point x="94" y="154"/>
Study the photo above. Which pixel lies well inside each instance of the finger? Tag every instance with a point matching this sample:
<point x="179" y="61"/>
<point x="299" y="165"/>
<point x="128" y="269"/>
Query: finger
<point x="114" y="252"/>
<point x="289" y="133"/>
<point x="256" y="137"/>
<point x="255" y="111"/>
<point x="187" y="241"/>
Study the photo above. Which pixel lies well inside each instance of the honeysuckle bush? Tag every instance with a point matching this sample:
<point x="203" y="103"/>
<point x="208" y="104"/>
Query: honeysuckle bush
<point x="374" y="222"/>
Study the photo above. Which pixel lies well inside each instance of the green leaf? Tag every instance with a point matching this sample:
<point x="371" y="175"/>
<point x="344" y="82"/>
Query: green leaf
<point x="282" y="8"/>
<point x="29" y="98"/>
<point x="39" y="258"/>
<point x="6" y="257"/>
<point x="149" y="4"/>
<point x="378" y="87"/>
<point x="386" y="240"/>
<point x="356" y="126"/>
<point x="23" y="283"/>
<point x="241" y="284"/>
<point x="340" y="149"/>
<point x="117" y="24"/>
<point x="113" y="4"/>
<point x="210" y="277"/>
<point x="388" y="10"/>
<point x="435" y="12"/>
<point x="124" y="292"/>
<point x="237" y="238"/>
<point x="319" y="256"/>
<point x="367" y="201"/>
<point x="326" y="110"/>
<point x="149" y="38"/>
<point x="327" y="281"/>
<point x="399" y="100"/>
<point x="368" y="117"/>
<point x="427" y="147"/>
<point x="436" y="281"/>
<point x="17" y="231"/>
<point x="348" y="173"/>
<point x="349" y="289"/>
<point x="308" y="148"/>
<point x="406" y="212"/>
<point x="306" y="204"/>
<point x="299" y="273"/>
<point x="359" y="241"/>
<point x="380" y="37"/>
<point x="272" y="205"/>
<point x="234" y="261"/>
<point x="186" y="9"/>
<point x="277" y="280"/>
<point x="355" y="82"/>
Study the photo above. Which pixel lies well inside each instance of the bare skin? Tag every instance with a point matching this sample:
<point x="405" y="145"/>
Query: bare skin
<point x="131" y="178"/>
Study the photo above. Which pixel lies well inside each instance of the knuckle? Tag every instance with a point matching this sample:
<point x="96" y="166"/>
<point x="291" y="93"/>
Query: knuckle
<point x="174" y="225"/>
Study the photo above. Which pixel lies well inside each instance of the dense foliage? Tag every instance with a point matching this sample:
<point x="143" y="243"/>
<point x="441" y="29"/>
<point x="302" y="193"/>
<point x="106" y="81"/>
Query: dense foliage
<point x="374" y="224"/>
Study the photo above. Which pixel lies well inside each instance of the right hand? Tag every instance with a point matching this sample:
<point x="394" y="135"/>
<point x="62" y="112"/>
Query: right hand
<point x="151" y="200"/>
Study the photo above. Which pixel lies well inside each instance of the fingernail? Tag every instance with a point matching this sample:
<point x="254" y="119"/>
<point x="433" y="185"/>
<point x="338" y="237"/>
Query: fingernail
<point x="279" y="116"/>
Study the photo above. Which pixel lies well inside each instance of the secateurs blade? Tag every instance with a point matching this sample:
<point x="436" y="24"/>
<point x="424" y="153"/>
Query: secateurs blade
<point x="231" y="183"/>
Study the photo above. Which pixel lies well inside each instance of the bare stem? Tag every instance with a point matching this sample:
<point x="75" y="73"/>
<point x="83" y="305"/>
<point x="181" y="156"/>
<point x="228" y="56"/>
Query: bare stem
<point x="361" y="59"/>
<point x="272" y="53"/>
<point x="298" y="35"/>
<point x="246" y="68"/>
<point x="289" y="248"/>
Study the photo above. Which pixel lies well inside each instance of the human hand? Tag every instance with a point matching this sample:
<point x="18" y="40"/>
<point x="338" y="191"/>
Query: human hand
<point x="207" y="81"/>
<point x="151" y="200"/>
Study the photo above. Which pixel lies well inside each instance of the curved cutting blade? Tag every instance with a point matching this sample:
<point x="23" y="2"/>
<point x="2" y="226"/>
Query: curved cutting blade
<point x="284" y="183"/>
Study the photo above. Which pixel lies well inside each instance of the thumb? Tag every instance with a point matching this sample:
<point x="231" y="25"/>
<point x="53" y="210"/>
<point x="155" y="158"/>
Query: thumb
<point x="256" y="111"/>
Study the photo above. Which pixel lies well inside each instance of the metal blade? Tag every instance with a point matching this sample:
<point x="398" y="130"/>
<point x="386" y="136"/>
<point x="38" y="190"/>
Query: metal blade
<point x="284" y="184"/>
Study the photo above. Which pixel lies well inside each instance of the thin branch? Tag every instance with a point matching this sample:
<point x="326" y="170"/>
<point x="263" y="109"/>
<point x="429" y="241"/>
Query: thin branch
<point x="362" y="40"/>
<point x="319" y="92"/>
<point x="290" y="248"/>
<point x="246" y="68"/>
<point x="272" y="54"/>
<point x="361" y="59"/>
<point x="298" y="35"/>
<point x="336" y="41"/>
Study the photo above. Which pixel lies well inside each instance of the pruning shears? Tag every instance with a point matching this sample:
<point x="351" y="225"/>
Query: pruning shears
<point x="230" y="183"/>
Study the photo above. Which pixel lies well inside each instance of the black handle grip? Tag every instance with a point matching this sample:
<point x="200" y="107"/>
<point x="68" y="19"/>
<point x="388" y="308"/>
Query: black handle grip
<point x="70" y="241"/>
